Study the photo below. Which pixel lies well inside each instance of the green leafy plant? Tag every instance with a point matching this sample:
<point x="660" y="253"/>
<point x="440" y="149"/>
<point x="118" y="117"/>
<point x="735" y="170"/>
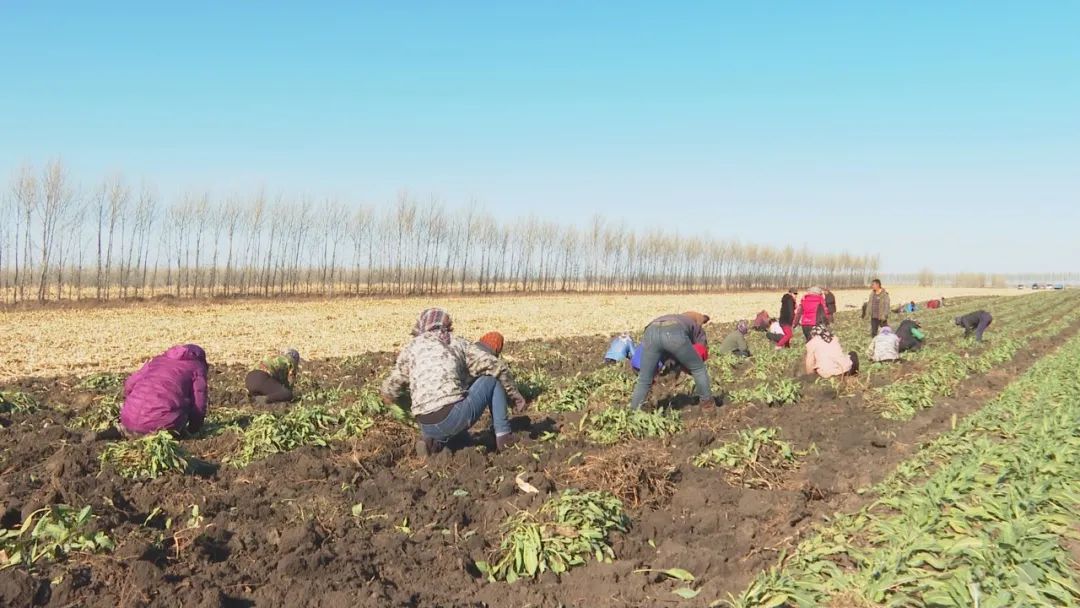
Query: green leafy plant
<point x="271" y="434"/>
<point x="147" y="457"/>
<point x="18" y="402"/>
<point x="103" y="382"/>
<point x="754" y="459"/>
<point x="533" y="383"/>
<point x="564" y="533"/>
<point x="780" y="392"/>
<point x="615" y="424"/>
<point x="608" y="385"/>
<point x="51" y="533"/>
<point x="102" y="414"/>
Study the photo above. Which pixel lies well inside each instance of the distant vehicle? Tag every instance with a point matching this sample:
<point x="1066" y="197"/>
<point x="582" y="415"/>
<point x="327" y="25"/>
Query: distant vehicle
<point x="1020" y="286"/>
<point x="1034" y="285"/>
<point x="1059" y="286"/>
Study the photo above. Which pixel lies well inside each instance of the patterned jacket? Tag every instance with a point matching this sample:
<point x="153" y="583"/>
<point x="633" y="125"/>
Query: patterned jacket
<point x="438" y="374"/>
<point x="280" y="368"/>
<point x="885" y="347"/>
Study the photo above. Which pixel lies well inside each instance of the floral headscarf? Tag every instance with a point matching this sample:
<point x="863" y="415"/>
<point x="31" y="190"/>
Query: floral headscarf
<point x="742" y="327"/>
<point x="823" y="332"/>
<point x="434" y="320"/>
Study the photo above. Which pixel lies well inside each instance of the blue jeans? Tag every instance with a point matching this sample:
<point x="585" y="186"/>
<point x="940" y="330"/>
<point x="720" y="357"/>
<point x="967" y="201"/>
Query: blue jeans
<point x="485" y="393"/>
<point x="668" y="341"/>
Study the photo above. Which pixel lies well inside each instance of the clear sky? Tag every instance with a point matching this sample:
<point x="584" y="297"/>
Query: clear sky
<point x="938" y="134"/>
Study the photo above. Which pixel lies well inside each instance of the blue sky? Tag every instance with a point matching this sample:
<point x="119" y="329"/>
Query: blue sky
<point x="938" y="134"/>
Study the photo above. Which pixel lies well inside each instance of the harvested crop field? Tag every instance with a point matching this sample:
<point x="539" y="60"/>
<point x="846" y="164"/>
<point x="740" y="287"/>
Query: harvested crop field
<point x="696" y="505"/>
<point x="81" y="340"/>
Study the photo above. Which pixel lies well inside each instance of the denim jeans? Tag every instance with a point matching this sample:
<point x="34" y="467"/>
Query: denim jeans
<point x="485" y="393"/>
<point x="665" y="341"/>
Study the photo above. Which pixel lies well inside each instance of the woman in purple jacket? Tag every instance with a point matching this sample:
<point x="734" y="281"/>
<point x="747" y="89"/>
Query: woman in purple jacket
<point x="168" y="393"/>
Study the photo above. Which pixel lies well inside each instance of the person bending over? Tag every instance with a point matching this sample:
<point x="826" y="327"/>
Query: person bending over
<point x="976" y="322"/>
<point x="168" y="393"/>
<point x="885" y="346"/>
<point x="735" y="342"/>
<point x="674" y="337"/>
<point x="826" y="358"/>
<point x="273" y="381"/>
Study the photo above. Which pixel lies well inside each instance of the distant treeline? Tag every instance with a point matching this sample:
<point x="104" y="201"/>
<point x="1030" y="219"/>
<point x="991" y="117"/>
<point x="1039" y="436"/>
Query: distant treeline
<point x="116" y="240"/>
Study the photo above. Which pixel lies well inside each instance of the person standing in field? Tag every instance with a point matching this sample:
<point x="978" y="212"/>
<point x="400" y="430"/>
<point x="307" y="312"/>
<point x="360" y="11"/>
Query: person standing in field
<point x="885" y="346"/>
<point x="735" y="342"/>
<point x="787" y="317"/>
<point x="620" y="349"/>
<point x="877" y="305"/>
<point x="451" y="383"/>
<point x="976" y="322"/>
<point x="830" y="303"/>
<point x="273" y="381"/>
<point x="826" y="358"/>
<point x="911" y="335"/>
<point x="674" y="337"/>
<point x="812" y="311"/>
<point x="168" y="393"/>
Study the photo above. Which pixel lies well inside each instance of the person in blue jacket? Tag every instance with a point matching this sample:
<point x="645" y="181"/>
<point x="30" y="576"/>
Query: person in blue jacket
<point x="621" y="349"/>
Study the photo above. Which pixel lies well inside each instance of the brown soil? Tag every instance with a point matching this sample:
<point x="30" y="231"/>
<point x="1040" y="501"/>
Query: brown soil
<point x="285" y="531"/>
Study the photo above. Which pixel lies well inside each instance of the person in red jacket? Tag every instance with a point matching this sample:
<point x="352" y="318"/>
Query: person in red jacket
<point x="167" y="393"/>
<point x="812" y="311"/>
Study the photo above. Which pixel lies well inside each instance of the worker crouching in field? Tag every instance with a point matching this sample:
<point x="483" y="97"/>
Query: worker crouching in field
<point x="735" y="342"/>
<point x="911" y="335"/>
<point x="666" y="366"/>
<point x="620" y="349"/>
<point x="273" y="381"/>
<point x="673" y="337"/>
<point x="167" y="393"/>
<point x="976" y="322"/>
<point x="885" y="346"/>
<point x="451" y="382"/>
<point x="826" y="358"/>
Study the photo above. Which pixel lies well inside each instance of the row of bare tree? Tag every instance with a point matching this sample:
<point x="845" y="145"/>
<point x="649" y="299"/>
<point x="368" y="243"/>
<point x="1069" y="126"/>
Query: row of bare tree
<point x="118" y="241"/>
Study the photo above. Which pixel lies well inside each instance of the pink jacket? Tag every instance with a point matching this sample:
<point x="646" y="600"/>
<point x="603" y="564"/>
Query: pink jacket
<point x="809" y="306"/>
<point x="169" y="392"/>
<point x="827" y="359"/>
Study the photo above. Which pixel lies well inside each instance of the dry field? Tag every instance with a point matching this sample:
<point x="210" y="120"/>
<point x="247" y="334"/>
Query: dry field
<point x="78" y="341"/>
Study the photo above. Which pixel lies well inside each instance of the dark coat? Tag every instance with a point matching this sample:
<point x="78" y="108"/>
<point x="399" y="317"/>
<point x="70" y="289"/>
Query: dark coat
<point x="787" y="310"/>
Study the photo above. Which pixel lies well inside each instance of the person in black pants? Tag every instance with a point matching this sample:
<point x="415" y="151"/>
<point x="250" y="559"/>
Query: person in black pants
<point x="272" y="382"/>
<point x="976" y="322"/>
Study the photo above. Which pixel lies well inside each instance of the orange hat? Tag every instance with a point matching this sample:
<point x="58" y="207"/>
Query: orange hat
<point x="493" y="340"/>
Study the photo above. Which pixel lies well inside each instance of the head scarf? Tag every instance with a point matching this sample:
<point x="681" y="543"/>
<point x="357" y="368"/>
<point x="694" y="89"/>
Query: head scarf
<point x="823" y="332"/>
<point x="697" y="317"/>
<point x="293" y="355"/>
<point x="816" y="290"/>
<point x="742" y="327"/>
<point x="434" y="320"/>
<point x="885" y="330"/>
<point x="494" y="341"/>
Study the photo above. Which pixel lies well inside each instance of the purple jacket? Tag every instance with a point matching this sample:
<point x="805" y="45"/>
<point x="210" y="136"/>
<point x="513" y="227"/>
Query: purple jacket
<point x="169" y="392"/>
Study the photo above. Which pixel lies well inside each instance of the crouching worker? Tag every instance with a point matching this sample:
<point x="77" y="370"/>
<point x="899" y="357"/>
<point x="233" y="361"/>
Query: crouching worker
<point x="911" y="335"/>
<point x="775" y="332"/>
<point x="620" y="349"/>
<point x="273" y="381"/>
<point x="826" y="358"/>
<point x="735" y="342"/>
<point x="976" y="322"/>
<point x="673" y="337"/>
<point x="167" y="394"/>
<point x="451" y="383"/>
<point x="885" y="346"/>
<point x="666" y="366"/>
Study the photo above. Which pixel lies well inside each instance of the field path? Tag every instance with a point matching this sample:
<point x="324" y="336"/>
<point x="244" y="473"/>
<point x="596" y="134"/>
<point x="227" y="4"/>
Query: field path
<point x="49" y="342"/>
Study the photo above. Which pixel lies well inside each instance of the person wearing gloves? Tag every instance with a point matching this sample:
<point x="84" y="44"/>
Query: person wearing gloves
<point x="167" y="394"/>
<point x="877" y="306"/>
<point x="911" y="335"/>
<point x="451" y="382"/>
<point x="674" y="337"/>
<point x="273" y="381"/>
<point x="976" y="322"/>
<point x="812" y="311"/>
<point x="885" y="346"/>
<point x="787" y="317"/>
<point x="620" y="349"/>
<point x="826" y="358"/>
<point x="735" y="342"/>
